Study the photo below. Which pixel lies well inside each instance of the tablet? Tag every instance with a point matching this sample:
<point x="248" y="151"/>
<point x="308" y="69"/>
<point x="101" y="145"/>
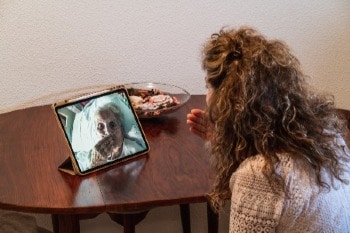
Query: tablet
<point x="101" y="130"/>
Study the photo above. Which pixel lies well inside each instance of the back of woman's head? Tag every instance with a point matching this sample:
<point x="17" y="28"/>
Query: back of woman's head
<point x="255" y="81"/>
<point x="261" y="103"/>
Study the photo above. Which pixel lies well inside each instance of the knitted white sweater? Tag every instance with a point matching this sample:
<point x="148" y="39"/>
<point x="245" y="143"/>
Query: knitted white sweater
<point x="304" y="207"/>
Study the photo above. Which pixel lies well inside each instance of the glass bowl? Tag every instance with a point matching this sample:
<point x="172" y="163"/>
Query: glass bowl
<point x="156" y="99"/>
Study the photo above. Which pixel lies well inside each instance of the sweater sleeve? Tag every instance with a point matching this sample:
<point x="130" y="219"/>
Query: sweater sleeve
<point x="255" y="207"/>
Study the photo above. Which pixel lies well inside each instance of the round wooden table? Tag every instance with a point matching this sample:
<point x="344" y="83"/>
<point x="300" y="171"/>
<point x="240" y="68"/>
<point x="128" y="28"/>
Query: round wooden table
<point x="176" y="171"/>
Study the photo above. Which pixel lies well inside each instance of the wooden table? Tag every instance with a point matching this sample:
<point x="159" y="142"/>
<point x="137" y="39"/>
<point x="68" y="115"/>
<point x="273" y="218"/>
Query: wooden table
<point x="176" y="171"/>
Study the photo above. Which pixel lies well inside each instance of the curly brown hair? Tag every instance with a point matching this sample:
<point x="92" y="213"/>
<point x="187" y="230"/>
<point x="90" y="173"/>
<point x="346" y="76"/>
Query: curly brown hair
<point x="261" y="104"/>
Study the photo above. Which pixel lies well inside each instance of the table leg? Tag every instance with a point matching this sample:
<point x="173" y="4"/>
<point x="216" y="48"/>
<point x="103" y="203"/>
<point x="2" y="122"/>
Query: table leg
<point x="213" y="220"/>
<point x="128" y="221"/>
<point x="185" y="218"/>
<point x="65" y="223"/>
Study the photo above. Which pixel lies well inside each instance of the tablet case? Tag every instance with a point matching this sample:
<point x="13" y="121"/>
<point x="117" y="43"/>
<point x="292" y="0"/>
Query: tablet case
<point x="84" y="105"/>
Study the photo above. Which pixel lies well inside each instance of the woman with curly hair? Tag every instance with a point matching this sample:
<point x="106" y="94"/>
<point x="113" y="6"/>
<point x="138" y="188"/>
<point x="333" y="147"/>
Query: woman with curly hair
<point x="276" y="145"/>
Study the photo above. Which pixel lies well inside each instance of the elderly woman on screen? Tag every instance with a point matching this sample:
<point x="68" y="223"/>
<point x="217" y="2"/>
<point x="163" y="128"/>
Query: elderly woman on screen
<point x="103" y="131"/>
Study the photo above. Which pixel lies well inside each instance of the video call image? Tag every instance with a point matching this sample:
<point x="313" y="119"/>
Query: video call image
<point x="101" y="130"/>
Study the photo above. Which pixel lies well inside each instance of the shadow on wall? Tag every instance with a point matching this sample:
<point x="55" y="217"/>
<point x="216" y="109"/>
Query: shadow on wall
<point x="58" y="96"/>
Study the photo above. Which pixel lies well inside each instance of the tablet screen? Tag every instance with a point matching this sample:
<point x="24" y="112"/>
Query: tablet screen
<point x="101" y="129"/>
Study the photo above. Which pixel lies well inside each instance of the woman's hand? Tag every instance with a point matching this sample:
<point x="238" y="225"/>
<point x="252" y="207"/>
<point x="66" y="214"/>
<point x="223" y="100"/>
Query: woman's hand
<point x="198" y="123"/>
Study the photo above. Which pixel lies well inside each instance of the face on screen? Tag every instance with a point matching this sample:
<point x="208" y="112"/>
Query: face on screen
<point x="109" y="131"/>
<point x="107" y="123"/>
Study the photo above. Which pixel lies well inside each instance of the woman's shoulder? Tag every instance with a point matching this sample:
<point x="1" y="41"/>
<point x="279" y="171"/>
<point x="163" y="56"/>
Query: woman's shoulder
<point x="253" y="163"/>
<point x="256" y="163"/>
<point x="286" y="162"/>
<point x="250" y="173"/>
<point x="288" y="167"/>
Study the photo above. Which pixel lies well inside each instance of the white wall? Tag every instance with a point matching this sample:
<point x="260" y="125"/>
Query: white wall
<point x="49" y="49"/>
<point x="52" y="49"/>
